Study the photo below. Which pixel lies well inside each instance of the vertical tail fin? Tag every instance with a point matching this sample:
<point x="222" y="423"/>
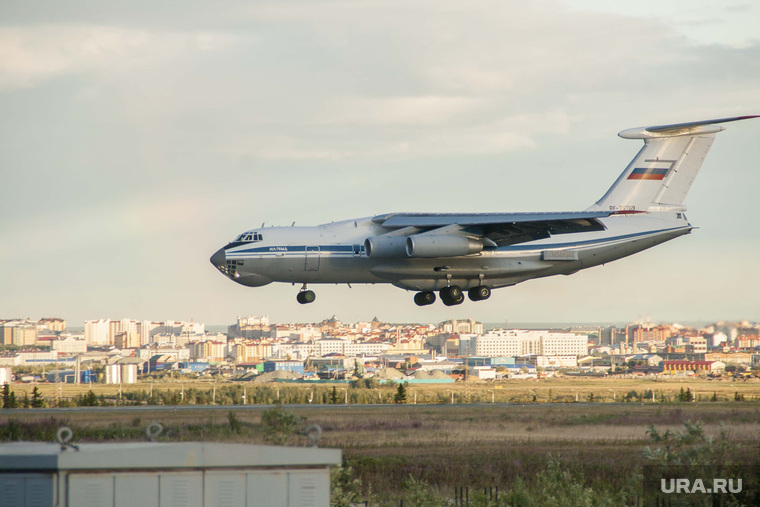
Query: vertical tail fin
<point x="661" y="174"/>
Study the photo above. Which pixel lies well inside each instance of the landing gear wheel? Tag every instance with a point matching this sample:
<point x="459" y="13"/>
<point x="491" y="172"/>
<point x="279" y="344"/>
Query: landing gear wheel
<point x="479" y="293"/>
<point x="424" y="298"/>
<point x="452" y="295"/>
<point x="306" y="296"/>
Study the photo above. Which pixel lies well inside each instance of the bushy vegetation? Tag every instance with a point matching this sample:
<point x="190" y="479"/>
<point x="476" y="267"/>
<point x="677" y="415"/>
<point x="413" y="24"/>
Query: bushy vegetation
<point x="562" y="454"/>
<point x="171" y="391"/>
<point x="278" y="425"/>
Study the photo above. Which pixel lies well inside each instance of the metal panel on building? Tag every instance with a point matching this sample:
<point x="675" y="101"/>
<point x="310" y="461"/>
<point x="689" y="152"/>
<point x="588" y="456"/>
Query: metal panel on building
<point x="32" y="490"/>
<point x="225" y="489"/>
<point x="181" y="489"/>
<point x="267" y="488"/>
<point x="136" y="489"/>
<point x="306" y="489"/>
<point x="165" y="474"/>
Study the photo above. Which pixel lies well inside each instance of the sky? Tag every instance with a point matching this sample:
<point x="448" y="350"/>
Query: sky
<point x="136" y="138"/>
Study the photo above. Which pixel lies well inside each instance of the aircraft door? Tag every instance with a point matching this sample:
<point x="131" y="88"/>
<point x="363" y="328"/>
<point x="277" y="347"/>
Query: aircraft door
<point x="312" y="258"/>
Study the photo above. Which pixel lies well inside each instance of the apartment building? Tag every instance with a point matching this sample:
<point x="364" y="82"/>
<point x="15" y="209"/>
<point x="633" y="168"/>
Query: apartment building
<point x="511" y="343"/>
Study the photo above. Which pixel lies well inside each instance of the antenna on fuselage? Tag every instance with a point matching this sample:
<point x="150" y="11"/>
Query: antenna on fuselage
<point x="262" y="224"/>
<point x="293" y="224"/>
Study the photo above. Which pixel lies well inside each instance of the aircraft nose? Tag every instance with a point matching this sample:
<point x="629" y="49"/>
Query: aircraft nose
<point x="219" y="259"/>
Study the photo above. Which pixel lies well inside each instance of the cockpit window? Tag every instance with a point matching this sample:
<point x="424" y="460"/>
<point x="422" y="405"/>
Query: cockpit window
<point x="249" y="237"/>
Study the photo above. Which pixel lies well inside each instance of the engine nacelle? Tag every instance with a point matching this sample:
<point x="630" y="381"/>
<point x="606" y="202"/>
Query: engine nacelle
<point x="440" y="245"/>
<point x="385" y="247"/>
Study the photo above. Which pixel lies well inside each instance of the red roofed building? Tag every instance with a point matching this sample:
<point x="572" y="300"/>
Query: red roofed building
<point x="693" y="366"/>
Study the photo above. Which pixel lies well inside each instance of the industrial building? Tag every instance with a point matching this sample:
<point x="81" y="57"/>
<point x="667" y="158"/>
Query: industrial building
<point x="148" y="474"/>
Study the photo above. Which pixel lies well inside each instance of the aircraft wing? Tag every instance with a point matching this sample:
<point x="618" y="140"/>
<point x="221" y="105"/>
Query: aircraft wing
<point x="500" y="228"/>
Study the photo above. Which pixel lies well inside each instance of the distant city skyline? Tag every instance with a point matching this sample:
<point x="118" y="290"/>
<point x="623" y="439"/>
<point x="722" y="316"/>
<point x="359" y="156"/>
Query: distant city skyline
<point x="221" y="327"/>
<point x="139" y="138"/>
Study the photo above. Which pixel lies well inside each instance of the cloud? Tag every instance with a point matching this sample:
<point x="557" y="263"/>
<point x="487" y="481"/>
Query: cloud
<point x="31" y="55"/>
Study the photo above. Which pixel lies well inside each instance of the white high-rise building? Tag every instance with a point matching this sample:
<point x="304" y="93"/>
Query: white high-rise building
<point x="146" y="331"/>
<point x="96" y="332"/>
<point x="513" y="342"/>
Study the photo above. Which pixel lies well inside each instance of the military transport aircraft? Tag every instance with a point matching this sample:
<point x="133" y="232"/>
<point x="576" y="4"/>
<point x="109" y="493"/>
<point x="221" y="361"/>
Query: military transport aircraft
<point x="450" y="253"/>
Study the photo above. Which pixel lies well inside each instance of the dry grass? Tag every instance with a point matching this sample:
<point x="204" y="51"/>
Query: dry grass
<point x="447" y="445"/>
<point x="564" y="389"/>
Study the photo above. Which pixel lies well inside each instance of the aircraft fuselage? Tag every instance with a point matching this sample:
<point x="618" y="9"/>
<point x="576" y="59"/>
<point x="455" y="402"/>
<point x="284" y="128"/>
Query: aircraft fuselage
<point x="336" y="253"/>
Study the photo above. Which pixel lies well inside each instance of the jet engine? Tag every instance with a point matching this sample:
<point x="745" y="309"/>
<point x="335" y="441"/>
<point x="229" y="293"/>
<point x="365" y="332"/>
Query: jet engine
<point x="383" y="247"/>
<point x="441" y="245"/>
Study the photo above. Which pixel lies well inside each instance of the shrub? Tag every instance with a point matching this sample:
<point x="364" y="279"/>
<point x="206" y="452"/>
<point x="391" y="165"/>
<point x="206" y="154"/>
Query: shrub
<point x="279" y="424"/>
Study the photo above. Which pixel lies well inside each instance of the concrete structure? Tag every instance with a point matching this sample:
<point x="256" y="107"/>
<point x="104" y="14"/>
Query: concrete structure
<point x="147" y="352"/>
<point x="462" y="326"/>
<point x="730" y="357"/>
<point x="68" y="344"/>
<point x="325" y="346"/>
<point x="499" y="343"/>
<point x="673" y="367"/>
<point x="132" y="333"/>
<point x="208" y="350"/>
<point x="696" y="345"/>
<point x="34" y="357"/>
<point x="162" y="474"/>
<point x="610" y="336"/>
<point x="484" y="373"/>
<point x="20" y="333"/>
<point x="53" y="323"/>
<point x="555" y="361"/>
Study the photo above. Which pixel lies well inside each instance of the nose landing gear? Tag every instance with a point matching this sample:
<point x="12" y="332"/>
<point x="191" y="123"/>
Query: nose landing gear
<point x="306" y="296"/>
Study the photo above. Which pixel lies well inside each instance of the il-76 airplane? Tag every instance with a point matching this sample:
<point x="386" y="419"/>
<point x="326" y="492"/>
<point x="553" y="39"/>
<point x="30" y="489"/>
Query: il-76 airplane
<point x="450" y="253"/>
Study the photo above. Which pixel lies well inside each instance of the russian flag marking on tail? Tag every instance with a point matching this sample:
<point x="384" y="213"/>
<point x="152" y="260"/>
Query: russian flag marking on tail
<point x="644" y="173"/>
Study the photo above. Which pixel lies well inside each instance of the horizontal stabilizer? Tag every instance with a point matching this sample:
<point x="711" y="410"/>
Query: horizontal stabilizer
<point x="680" y="129"/>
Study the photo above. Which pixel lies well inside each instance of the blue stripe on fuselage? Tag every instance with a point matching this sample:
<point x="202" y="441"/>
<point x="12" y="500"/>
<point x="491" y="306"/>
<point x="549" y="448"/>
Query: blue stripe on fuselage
<point x="299" y="249"/>
<point x="349" y="249"/>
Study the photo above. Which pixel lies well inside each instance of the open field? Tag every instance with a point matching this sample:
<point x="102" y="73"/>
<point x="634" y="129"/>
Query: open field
<point x="399" y="450"/>
<point x="563" y="389"/>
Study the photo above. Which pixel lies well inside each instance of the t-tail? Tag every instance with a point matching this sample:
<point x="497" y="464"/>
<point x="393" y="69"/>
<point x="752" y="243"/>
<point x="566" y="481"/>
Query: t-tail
<point x="661" y="174"/>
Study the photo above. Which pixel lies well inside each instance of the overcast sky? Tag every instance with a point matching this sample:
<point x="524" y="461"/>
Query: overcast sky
<point x="138" y="137"/>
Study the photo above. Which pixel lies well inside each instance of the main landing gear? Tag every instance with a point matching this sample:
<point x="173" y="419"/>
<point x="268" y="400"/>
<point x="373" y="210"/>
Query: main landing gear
<point x="306" y="296"/>
<point x="479" y="293"/>
<point x="424" y="298"/>
<point x="452" y="295"/>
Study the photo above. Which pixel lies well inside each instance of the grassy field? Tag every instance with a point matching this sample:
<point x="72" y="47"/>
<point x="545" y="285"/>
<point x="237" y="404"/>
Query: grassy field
<point x="398" y="451"/>
<point x="564" y="389"/>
